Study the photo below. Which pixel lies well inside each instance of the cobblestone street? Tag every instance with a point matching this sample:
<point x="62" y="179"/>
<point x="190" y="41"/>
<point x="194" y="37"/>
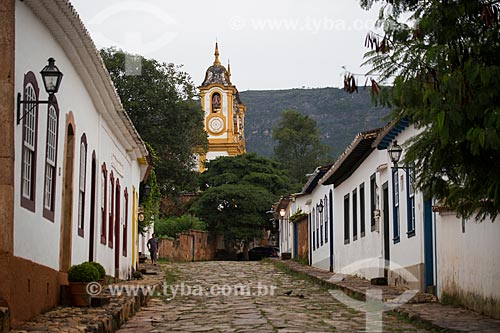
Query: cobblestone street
<point x="249" y="297"/>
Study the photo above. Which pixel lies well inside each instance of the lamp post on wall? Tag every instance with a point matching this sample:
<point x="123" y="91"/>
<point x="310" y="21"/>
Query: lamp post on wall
<point x="147" y="190"/>
<point x="395" y="151"/>
<point x="52" y="78"/>
<point x="320" y="206"/>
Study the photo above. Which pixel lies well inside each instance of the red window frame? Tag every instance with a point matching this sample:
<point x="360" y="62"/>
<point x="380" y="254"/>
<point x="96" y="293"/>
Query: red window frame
<point x="82" y="192"/>
<point x="104" y="202"/>
<point x="49" y="213"/>
<point x="29" y="203"/>
<point x="111" y="209"/>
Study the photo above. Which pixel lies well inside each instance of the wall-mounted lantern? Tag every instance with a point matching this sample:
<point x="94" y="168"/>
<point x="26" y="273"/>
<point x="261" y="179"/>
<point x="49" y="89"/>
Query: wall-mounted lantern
<point x="52" y="78"/>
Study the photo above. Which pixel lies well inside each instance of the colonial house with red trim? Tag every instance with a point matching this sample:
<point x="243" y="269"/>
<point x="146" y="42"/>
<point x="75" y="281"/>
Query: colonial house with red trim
<point x="70" y="167"/>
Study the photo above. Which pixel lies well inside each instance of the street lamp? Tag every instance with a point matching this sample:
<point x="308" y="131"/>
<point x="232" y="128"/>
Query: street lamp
<point x="147" y="190"/>
<point x="52" y="77"/>
<point x="395" y="151"/>
<point x="282" y="212"/>
<point x="320" y="206"/>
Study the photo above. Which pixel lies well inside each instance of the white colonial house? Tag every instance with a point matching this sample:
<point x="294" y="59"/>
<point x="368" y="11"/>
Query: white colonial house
<point x="355" y="177"/>
<point x="383" y="228"/>
<point x="315" y="201"/>
<point x="321" y="231"/>
<point x="71" y="166"/>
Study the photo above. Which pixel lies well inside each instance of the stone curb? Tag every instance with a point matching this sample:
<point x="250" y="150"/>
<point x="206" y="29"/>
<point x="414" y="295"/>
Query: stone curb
<point x="105" y="319"/>
<point x="425" y="309"/>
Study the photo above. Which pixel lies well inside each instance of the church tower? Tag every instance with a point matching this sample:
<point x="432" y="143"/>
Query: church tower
<point x="224" y="113"/>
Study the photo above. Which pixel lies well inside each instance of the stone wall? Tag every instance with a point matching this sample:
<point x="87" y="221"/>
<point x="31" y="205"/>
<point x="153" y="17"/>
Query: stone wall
<point x="193" y="245"/>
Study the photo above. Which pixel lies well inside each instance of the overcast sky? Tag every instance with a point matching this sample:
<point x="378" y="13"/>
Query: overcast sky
<point x="271" y="44"/>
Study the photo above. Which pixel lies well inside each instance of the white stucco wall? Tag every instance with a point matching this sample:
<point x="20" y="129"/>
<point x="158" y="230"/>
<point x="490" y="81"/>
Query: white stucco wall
<point x="361" y="256"/>
<point x="36" y="238"/>
<point x="468" y="262"/>
<point x="321" y="254"/>
<point x="408" y="251"/>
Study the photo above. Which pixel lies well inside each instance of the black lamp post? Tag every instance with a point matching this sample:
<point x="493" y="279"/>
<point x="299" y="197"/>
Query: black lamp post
<point x="320" y="206"/>
<point x="395" y="151"/>
<point x="147" y="190"/>
<point x="52" y="77"/>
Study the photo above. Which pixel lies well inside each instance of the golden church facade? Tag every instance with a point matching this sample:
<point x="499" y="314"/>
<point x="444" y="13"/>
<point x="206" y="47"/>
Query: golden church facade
<point x="224" y="113"/>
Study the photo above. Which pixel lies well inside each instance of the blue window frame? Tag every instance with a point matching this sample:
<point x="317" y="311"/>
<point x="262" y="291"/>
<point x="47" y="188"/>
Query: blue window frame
<point x="362" y="210"/>
<point x="354" y="214"/>
<point x="325" y="217"/>
<point x="317" y="227"/>
<point x="410" y="202"/>
<point x="373" y="201"/>
<point x="395" y="201"/>
<point x="346" y="219"/>
<point x="313" y="218"/>
<point x="320" y="217"/>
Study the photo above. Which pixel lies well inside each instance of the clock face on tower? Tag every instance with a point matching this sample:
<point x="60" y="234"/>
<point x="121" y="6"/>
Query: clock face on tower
<point x="216" y="124"/>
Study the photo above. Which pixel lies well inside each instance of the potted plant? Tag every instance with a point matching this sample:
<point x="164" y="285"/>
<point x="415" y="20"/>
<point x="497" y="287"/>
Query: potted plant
<point x="79" y="276"/>
<point x="100" y="269"/>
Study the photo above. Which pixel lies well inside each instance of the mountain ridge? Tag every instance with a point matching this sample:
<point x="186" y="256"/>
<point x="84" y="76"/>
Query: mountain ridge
<point x="339" y="115"/>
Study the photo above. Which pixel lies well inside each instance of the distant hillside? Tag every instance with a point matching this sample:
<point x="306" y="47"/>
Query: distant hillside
<point x="339" y="115"/>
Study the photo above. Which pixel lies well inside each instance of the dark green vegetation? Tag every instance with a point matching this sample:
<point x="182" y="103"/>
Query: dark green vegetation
<point x="237" y="193"/>
<point x="84" y="272"/>
<point x="298" y="144"/>
<point x="339" y="116"/>
<point x="171" y="226"/>
<point x="158" y="98"/>
<point x="446" y="71"/>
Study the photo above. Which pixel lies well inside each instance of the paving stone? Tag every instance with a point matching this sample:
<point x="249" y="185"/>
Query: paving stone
<point x="316" y="311"/>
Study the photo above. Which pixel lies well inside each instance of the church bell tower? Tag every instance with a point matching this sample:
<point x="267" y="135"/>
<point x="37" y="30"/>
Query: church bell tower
<point x="224" y="113"/>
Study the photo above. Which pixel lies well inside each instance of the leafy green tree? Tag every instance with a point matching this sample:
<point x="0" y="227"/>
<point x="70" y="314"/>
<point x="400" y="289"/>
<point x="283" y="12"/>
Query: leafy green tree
<point x="247" y="169"/>
<point x="445" y="68"/>
<point x="299" y="146"/>
<point x="237" y="211"/>
<point x="160" y="102"/>
<point x="238" y="191"/>
<point x="172" y="226"/>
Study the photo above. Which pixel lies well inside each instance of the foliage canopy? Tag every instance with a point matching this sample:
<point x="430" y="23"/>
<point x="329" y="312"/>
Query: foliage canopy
<point x="446" y="73"/>
<point x="299" y="146"/>
<point x="160" y="102"/>
<point x="238" y="192"/>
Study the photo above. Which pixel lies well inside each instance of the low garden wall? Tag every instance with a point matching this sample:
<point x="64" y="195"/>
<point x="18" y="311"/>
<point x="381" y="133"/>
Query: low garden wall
<point x="193" y="245"/>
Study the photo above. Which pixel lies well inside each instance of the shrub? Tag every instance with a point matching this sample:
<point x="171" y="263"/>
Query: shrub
<point x="85" y="272"/>
<point x="172" y="226"/>
<point x="100" y="269"/>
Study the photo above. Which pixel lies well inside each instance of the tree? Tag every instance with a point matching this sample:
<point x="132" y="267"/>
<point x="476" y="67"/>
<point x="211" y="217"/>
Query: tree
<point x="247" y="169"/>
<point x="238" y="191"/>
<point x="446" y="73"/>
<point x="299" y="146"/>
<point x="236" y="211"/>
<point x="160" y="102"/>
